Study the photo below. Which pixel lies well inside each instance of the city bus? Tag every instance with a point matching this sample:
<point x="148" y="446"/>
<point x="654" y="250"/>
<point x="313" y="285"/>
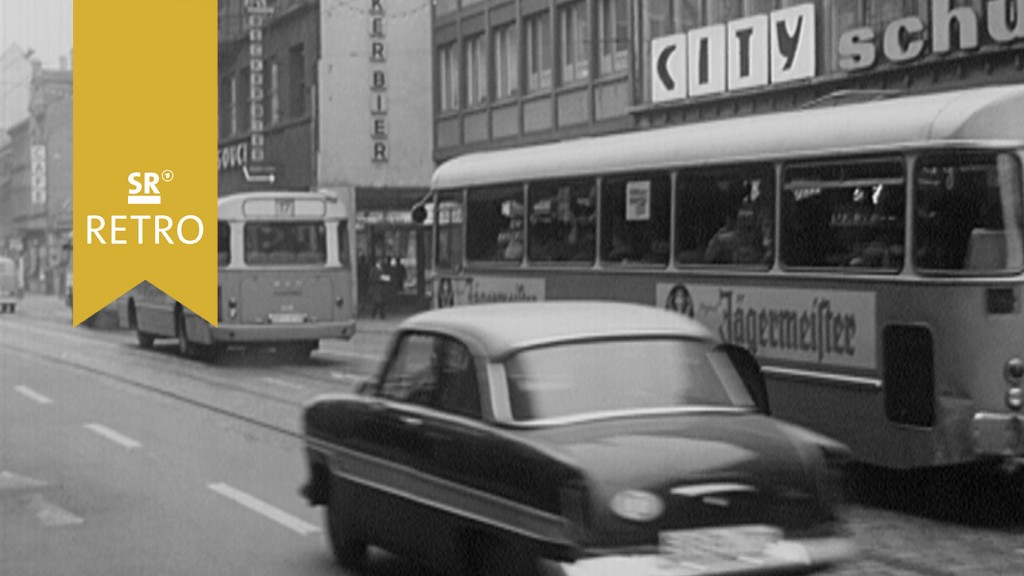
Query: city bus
<point x="869" y="254"/>
<point x="285" y="279"/>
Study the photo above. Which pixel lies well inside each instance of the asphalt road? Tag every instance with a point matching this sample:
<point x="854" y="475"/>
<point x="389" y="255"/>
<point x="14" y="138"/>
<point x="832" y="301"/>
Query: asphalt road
<point x="120" y="461"/>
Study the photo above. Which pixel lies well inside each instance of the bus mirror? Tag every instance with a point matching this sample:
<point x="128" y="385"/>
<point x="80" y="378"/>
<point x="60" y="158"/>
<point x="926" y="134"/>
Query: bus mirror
<point x="419" y="214"/>
<point x="750" y="371"/>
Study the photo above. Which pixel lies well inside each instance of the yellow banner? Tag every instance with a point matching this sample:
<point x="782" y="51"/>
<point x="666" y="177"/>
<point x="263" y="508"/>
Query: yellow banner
<point x="145" y="138"/>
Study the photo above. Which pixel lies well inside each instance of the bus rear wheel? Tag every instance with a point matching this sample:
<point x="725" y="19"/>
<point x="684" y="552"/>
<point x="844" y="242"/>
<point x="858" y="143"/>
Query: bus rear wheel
<point x="145" y="339"/>
<point x="185" y="346"/>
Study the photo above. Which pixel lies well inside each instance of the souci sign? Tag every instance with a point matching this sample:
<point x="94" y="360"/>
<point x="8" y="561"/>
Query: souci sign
<point x="907" y="39"/>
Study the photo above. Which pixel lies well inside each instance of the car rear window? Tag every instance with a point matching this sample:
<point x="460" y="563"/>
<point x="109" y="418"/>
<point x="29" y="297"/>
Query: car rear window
<point x="603" y="376"/>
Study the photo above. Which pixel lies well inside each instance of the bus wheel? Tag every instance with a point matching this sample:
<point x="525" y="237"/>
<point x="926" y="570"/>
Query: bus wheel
<point x="145" y="339"/>
<point x="185" y="346"/>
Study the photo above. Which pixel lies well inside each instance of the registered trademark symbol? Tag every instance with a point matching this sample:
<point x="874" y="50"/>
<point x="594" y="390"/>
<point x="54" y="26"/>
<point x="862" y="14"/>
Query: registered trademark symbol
<point x="167" y="175"/>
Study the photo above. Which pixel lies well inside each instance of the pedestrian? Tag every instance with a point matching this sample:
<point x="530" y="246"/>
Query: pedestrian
<point x="377" y="284"/>
<point x="362" y="277"/>
<point x="398" y="276"/>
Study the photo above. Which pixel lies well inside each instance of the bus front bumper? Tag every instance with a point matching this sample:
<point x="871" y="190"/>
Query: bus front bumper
<point x="250" y="333"/>
<point x="999" y="435"/>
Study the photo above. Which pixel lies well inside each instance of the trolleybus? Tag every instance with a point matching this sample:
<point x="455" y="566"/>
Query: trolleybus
<point x="869" y="254"/>
<point x="285" y="279"/>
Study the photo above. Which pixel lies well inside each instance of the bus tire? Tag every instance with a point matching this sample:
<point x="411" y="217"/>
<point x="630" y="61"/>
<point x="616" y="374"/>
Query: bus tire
<point x="186" y="348"/>
<point x="145" y="339"/>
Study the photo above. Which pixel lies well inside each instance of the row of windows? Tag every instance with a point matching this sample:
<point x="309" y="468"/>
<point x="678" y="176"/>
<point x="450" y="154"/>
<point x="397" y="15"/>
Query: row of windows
<point x="241" y="101"/>
<point x="490" y="62"/>
<point x="282" y="243"/>
<point x="838" y="215"/>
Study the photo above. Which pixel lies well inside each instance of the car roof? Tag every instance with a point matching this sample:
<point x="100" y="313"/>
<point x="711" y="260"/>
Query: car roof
<point x="502" y="329"/>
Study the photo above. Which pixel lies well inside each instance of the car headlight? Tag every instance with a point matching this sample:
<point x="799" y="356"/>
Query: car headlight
<point x="637" y="505"/>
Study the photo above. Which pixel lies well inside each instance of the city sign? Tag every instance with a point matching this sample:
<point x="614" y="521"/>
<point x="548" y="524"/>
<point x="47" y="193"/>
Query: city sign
<point x="746" y="53"/>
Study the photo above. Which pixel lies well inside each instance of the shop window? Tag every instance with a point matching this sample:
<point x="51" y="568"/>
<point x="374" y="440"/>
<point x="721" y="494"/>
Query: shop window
<point x="448" y="213"/>
<point x="844" y="215"/>
<point x="968" y="213"/>
<point x="562" y="221"/>
<point x="725" y="216"/>
<point x="506" y="61"/>
<point x="538" y="52"/>
<point x="635" y="219"/>
<point x="574" y="27"/>
<point x="494" y="224"/>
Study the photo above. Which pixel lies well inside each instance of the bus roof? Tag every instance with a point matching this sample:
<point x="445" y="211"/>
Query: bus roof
<point x="991" y="114"/>
<point x="264" y="206"/>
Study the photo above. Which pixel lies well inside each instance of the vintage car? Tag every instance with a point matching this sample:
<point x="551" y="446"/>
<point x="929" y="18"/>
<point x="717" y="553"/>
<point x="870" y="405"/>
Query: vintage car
<point x="10" y="291"/>
<point x="571" y="438"/>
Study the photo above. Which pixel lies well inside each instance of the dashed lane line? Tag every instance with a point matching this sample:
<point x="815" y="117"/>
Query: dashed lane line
<point x="283" y="518"/>
<point x="32" y="394"/>
<point x="283" y="383"/>
<point x="114" y="436"/>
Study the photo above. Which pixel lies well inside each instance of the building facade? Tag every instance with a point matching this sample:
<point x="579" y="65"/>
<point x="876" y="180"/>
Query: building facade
<point x="517" y="72"/>
<point x="267" y="76"/>
<point x="375" y="131"/>
<point x="36" y="181"/>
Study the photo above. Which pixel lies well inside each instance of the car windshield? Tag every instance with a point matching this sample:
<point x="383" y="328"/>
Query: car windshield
<point x="592" y="377"/>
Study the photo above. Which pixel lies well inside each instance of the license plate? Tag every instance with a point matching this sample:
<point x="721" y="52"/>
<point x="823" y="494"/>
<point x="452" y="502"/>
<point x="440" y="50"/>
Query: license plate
<point x="287" y="318"/>
<point x="715" y="546"/>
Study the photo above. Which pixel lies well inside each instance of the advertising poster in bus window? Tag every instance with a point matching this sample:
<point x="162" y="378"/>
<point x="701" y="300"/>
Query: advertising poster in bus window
<point x="464" y="290"/>
<point x="638" y="201"/>
<point x="817" y="327"/>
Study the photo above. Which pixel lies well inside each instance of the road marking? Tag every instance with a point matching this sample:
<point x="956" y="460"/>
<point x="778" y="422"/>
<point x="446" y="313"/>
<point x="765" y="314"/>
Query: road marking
<point x="12" y="481"/>
<point x="348" y="355"/>
<point x="282" y="383"/>
<point x="260" y="507"/>
<point x="51" y="515"/>
<point x="114" y="436"/>
<point x="30" y="393"/>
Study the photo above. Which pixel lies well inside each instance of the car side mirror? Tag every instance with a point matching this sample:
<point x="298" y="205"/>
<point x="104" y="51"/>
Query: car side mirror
<point x="750" y="372"/>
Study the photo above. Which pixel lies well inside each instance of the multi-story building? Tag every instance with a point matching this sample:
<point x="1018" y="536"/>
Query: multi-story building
<point x="267" y="68"/>
<point x="376" y="125"/>
<point x="516" y="72"/>
<point x="36" y="179"/>
<point x="327" y="95"/>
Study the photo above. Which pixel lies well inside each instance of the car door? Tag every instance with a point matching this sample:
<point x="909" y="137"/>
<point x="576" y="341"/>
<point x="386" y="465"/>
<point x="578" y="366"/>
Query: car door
<point x="391" y="433"/>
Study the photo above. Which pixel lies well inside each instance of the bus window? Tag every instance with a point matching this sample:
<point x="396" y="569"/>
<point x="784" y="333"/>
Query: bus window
<point x="343" y="244"/>
<point x="223" y="244"/>
<point x="285" y="243"/>
<point x="449" y="229"/>
<point x="494" y="224"/>
<point x="968" y="213"/>
<point x="844" y="215"/>
<point x="562" y="225"/>
<point x="635" y="218"/>
<point x="725" y="216"/>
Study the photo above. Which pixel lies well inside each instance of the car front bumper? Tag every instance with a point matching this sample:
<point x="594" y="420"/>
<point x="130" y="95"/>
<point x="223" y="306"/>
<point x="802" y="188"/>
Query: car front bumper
<point x="784" y="555"/>
<point x="242" y="333"/>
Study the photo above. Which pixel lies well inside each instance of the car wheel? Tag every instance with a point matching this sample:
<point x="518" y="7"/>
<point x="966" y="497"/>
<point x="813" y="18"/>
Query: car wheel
<point x="348" y="550"/>
<point x="145" y="339"/>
